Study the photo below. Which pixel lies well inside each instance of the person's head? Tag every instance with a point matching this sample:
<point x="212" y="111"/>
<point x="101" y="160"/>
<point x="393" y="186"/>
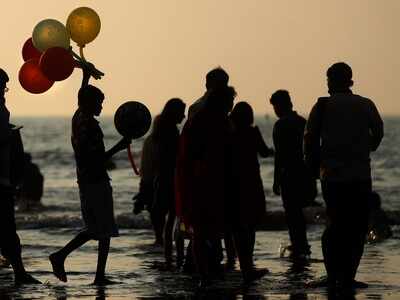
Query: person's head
<point x="339" y="77"/>
<point x="216" y="78"/>
<point x="90" y="99"/>
<point x="174" y="111"/>
<point x="3" y="82"/>
<point x="221" y="99"/>
<point x="281" y="102"/>
<point x="242" y="114"/>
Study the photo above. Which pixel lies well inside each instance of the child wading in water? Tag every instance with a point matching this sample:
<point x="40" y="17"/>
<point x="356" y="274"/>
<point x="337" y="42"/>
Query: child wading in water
<point x="95" y="190"/>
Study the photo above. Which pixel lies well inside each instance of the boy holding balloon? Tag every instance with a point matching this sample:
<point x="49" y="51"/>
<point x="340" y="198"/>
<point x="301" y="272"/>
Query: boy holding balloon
<point x="94" y="183"/>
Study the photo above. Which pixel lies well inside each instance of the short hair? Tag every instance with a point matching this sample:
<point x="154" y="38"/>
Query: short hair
<point x="340" y="73"/>
<point x="281" y="98"/>
<point x="88" y="95"/>
<point x="3" y="76"/>
<point x="217" y="78"/>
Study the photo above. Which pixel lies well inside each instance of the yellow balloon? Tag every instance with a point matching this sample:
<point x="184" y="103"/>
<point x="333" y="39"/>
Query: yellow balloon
<point x="50" y="33"/>
<point x="83" y="25"/>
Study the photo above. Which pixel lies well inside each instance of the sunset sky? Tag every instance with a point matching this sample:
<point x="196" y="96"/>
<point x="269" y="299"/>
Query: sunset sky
<point x="153" y="50"/>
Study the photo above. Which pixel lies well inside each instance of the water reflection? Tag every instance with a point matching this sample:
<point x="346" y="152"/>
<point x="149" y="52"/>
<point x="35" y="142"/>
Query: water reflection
<point x="100" y="293"/>
<point x="298" y="296"/>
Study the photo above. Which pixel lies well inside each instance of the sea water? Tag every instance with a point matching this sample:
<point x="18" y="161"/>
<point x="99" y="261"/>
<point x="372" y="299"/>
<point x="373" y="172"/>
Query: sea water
<point x="135" y="263"/>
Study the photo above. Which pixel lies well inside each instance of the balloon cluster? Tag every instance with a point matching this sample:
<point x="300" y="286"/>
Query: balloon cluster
<point x="48" y="55"/>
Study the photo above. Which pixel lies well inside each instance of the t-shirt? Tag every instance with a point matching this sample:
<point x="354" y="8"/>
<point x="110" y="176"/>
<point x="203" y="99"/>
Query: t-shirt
<point x="350" y="129"/>
<point x="288" y="141"/>
<point x="89" y="149"/>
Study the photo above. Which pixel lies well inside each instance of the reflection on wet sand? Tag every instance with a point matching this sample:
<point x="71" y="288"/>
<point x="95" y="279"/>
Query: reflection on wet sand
<point x="137" y="265"/>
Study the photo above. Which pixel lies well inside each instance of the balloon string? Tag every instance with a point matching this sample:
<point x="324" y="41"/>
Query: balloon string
<point x="76" y="56"/>
<point x="130" y="156"/>
<point x="81" y="53"/>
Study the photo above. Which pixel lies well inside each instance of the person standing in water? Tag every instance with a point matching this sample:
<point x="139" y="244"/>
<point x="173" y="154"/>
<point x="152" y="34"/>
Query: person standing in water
<point x="9" y="241"/>
<point x="205" y="176"/>
<point x="342" y="130"/>
<point x="291" y="178"/>
<point x="165" y="137"/>
<point x="248" y="206"/>
<point x="95" y="190"/>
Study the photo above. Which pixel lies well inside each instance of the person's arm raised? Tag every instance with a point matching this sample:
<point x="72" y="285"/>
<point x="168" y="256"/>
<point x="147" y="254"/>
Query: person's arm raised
<point x="88" y="70"/>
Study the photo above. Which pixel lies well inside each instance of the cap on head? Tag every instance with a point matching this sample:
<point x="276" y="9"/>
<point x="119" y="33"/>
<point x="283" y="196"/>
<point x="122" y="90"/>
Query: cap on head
<point x="3" y="76"/>
<point x="340" y="74"/>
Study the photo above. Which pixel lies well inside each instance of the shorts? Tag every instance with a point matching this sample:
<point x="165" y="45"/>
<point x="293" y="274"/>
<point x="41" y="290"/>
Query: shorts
<point x="97" y="210"/>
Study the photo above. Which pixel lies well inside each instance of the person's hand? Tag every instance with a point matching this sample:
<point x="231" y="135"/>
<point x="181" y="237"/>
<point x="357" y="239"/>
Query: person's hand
<point x="276" y="188"/>
<point x="89" y="69"/>
<point x="138" y="207"/>
<point x="123" y="143"/>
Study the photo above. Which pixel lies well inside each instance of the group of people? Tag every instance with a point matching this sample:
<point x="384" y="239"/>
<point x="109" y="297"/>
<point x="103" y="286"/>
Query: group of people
<point x="205" y="179"/>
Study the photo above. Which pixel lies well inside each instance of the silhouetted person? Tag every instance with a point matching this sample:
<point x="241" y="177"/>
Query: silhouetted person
<point x="149" y="165"/>
<point x="165" y="138"/>
<point x="216" y="78"/>
<point x="291" y="179"/>
<point x="94" y="183"/>
<point x="248" y="207"/>
<point x="341" y="132"/>
<point x="204" y="177"/>
<point x="31" y="187"/>
<point x="10" y="144"/>
<point x="378" y="222"/>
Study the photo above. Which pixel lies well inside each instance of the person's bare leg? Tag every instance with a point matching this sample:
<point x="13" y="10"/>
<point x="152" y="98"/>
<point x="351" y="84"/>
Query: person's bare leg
<point x="20" y="274"/>
<point x="168" y="233"/>
<point x="57" y="258"/>
<point x="104" y="248"/>
<point x="180" y="251"/>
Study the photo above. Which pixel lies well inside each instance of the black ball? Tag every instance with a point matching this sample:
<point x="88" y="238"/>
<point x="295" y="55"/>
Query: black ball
<point x="132" y="119"/>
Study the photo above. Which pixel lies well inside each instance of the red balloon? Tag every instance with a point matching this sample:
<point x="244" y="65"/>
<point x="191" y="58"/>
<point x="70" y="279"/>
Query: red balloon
<point x="57" y="63"/>
<point x="32" y="79"/>
<point x="29" y="51"/>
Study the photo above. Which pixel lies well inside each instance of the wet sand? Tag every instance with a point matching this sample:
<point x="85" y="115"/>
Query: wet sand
<point x="137" y="267"/>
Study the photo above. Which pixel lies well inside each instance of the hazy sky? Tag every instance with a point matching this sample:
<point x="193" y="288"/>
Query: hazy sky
<point x="153" y="50"/>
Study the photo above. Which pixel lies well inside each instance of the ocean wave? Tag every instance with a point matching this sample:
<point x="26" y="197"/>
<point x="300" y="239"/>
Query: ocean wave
<point x="274" y="220"/>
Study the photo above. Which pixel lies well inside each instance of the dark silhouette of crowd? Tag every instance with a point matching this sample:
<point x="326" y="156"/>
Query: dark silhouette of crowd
<point x="205" y="180"/>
